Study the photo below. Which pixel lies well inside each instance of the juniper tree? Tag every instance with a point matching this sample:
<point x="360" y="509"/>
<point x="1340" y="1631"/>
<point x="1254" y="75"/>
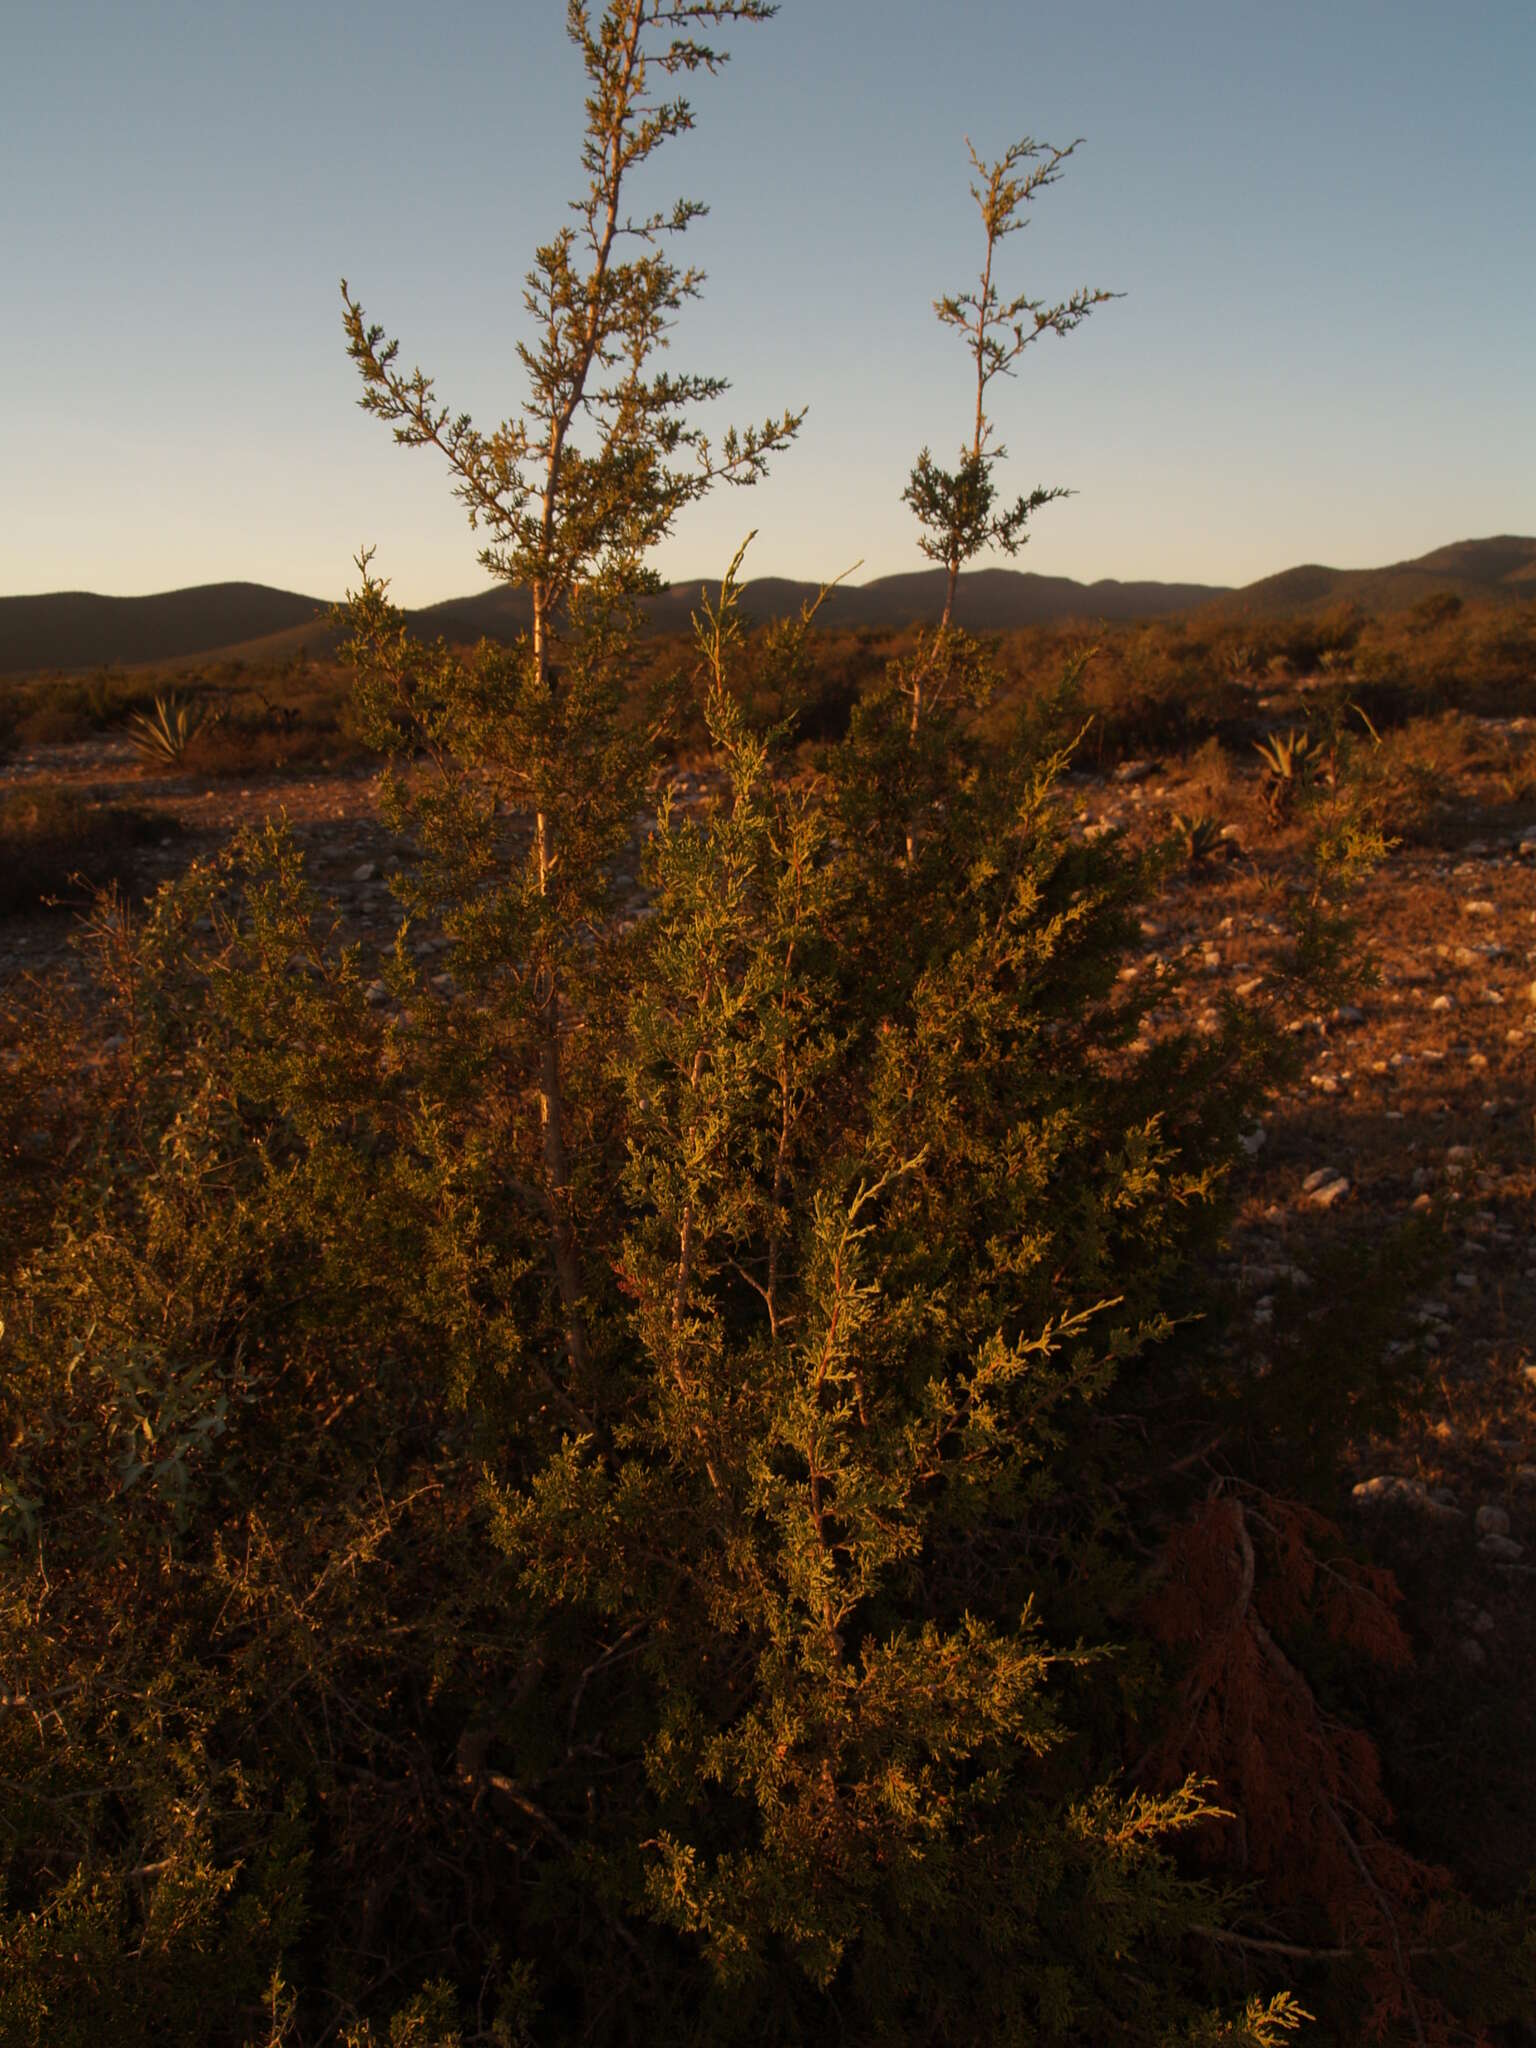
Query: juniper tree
<point x="622" y="1543"/>
<point x="957" y="509"/>
<point x="575" y="488"/>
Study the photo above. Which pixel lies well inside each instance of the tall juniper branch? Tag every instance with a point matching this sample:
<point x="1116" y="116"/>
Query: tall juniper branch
<point x="564" y="519"/>
<point x="957" y="509"/>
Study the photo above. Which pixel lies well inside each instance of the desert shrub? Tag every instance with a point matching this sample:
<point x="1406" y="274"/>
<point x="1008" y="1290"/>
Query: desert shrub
<point x="250" y="720"/>
<point x="255" y="744"/>
<point x="57" y="845"/>
<point x="54" y="719"/>
<point x="1161" y="686"/>
<point x="55" y="710"/>
<point x="793" y="1548"/>
<point x="1480" y="657"/>
<point x="1422" y="773"/>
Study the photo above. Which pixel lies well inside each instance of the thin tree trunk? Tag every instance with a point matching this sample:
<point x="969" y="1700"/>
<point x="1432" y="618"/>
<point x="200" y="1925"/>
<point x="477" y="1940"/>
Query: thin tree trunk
<point x="562" y="1241"/>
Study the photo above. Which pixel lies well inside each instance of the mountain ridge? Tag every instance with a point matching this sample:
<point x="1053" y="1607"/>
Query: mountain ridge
<point x="68" y="630"/>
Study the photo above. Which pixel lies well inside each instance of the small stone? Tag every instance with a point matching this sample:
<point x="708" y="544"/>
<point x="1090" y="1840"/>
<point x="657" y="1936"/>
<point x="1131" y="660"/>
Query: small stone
<point x="1391" y="1489"/>
<point x="1349" y="1013"/>
<point x="1501" y="1549"/>
<point x="1132" y="771"/>
<point x="1525" y="1477"/>
<point x="1254" y="1141"/>
<point x="1443" y="1003"/>
<point x="1370" y="1491"/>
<point x="1492" y="1521"/>
<point x="368" y="872"/>
<point x="1479" y="907"/>
<point x="376" y="995"/>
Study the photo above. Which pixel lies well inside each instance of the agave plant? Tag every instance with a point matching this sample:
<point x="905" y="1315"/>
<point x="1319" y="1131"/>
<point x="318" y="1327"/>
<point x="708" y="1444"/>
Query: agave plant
<point x="1201" y="836"/>
<point x="1242" y="663"/>
<point x="1288" y="762"/>
<point x="162" y="736"/>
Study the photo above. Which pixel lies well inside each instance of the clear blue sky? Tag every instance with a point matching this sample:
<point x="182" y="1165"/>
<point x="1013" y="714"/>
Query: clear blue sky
<point x="1323" y="217"/>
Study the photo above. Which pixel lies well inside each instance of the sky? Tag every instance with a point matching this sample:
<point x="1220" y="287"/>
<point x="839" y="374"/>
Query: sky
<point x="1322" y="215"/>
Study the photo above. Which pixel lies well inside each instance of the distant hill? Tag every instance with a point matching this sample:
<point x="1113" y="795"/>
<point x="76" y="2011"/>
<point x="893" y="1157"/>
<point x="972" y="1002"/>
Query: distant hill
<point x="1501" y="567"/>
<point x="988" y="601"/>
<point x="75" y="630"/>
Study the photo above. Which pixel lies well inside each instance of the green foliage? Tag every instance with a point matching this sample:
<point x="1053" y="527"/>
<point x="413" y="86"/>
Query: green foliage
<point x="957" y="509"/>
<point x="737" y="1638"/>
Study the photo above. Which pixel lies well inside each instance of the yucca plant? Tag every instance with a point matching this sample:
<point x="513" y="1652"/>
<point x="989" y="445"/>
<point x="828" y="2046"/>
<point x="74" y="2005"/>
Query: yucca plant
<point x="162" y="736"/>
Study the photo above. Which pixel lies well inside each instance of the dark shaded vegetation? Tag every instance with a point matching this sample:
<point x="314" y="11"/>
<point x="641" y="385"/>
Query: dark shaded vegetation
<point x="59" y="847"/>
<point x="256" y="720"/>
